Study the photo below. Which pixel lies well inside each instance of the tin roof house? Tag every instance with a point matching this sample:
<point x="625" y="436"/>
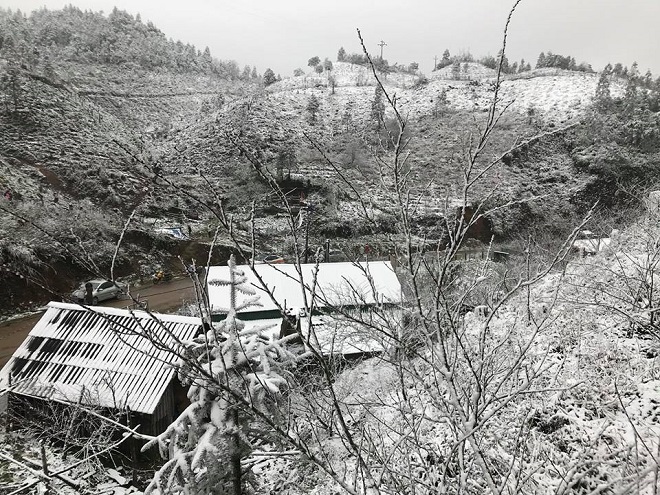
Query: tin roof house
<point x="346" y="299"/>
<point x="103" y="357"/>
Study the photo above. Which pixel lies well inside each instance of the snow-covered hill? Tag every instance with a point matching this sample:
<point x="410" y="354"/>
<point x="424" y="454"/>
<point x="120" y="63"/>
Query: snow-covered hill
<point x="553" y="95"/>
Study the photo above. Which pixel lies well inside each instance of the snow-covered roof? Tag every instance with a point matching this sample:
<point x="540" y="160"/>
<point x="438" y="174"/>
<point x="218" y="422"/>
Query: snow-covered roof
<point x="335" y="334"/>
<point x="332" y="335"/>
<point x="104" y="355"/>
<point x="337" y="284"/>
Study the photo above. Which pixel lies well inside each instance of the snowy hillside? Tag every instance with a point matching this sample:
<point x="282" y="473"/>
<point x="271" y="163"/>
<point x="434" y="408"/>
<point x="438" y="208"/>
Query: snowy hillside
<point x="552" y="94"/>
<point x="584" y="351"/>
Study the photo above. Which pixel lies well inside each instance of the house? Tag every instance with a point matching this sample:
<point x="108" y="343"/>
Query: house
<point x="103" y="357"/>
<point x="340" y="295"/>
<point x="333" y="285"/>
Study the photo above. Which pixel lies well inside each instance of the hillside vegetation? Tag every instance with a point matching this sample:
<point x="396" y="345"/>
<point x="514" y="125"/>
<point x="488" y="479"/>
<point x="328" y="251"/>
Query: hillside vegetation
<point x="101" y="114"/>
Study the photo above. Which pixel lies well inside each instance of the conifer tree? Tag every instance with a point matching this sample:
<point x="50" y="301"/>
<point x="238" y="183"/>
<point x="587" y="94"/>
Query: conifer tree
<point x="313" y="107"/>
<point x="630" y="96"/>
<point x="446" y="59"/>
<point x="503" y="61"/>
<point x="231" y="371"/>
<point x="541" y="62"/>
<point x="378" y="108"/>
<point x="269" y="77"/>
<point x="602" y="98"/>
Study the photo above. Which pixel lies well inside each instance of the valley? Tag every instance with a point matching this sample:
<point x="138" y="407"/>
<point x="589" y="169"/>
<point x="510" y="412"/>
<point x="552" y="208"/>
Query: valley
<point x="453" y="215"/>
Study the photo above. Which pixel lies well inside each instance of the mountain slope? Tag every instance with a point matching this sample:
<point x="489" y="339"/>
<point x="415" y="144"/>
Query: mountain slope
<point x="93" y="126"/>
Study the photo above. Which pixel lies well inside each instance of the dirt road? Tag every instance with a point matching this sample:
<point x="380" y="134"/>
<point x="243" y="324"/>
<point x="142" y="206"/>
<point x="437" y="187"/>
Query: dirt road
<point x="163" y="298"/>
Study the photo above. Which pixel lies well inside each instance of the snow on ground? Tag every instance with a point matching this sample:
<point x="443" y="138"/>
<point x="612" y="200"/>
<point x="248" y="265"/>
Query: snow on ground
<point x="597" y="401"/>
<point x="551" y="94"/>
<point x="344" y="74"/>
<point x="90" y="477"/>
<point x="467" y="71"/>
<point x="593" y="410"/>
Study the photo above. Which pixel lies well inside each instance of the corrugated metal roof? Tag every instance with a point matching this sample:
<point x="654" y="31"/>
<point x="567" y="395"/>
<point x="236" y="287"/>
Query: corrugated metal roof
<point x="110" y="357"/>
<point x="338" y="284"/>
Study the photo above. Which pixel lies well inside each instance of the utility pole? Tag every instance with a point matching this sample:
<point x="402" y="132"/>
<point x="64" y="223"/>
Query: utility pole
<point x="381" y="44"/>
<point x="435" y="62"/>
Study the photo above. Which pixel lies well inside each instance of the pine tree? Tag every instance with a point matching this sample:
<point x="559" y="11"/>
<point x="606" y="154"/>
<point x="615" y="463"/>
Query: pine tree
<point x="341" y="55"/>
<point x="503" y="61"/>
<point x="446" y="59"/>
<point x="541" y="62"/>
<point x="602" y="98"/>
<point x="229" y="369"/>
<point x="634" y="71"/>
<point x="313" y="107"/>
<point x="456" y="70"/>
<point x="269" y="77"/>
<point x="378" y="108"/>
<point x="207" y="59"/>
<point x="630" y="96"/>
<point x="648" y="79"/>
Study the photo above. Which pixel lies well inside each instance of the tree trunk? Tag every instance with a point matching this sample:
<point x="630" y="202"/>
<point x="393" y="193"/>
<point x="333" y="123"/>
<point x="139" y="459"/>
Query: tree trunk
<point x="236" y="457"/>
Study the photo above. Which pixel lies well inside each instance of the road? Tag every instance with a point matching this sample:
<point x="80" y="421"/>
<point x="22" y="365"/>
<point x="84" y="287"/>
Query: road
<point x="163" y="297"/>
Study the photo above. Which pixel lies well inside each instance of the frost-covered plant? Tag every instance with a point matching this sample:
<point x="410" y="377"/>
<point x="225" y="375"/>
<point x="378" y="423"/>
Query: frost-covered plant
<point x="234" y="374"/>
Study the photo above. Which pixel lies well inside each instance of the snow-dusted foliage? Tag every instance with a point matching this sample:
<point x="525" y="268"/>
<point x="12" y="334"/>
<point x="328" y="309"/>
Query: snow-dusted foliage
<point x="552" y="391"/>
<point x="235" y="375"/>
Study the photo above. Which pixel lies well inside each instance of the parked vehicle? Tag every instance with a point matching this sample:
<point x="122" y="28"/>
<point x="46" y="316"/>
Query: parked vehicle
<point x="162" y="276"/>
<point x="102" y="290"/>
<point x="274" y="259"/>
<point x="271" y="259"/>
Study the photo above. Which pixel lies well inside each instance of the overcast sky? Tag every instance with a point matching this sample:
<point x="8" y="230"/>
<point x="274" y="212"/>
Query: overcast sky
<point x="284" y="34"/>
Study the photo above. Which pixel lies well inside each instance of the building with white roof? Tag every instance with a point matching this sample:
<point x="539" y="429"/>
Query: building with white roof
<point x="332" y="285"/>
<point x="330" y="290"/>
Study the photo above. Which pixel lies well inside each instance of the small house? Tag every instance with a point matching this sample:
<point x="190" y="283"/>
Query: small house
<point x="341" y="296"/>
<point x="104" y="358"/>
